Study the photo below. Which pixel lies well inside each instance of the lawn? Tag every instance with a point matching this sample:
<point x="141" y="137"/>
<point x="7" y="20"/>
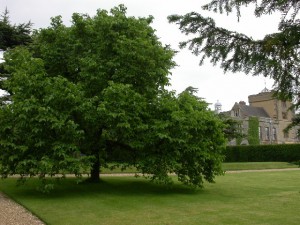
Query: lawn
<point x="226" y="167"/>
<point x="271" y="198"/>
<point x="258" y="165"/>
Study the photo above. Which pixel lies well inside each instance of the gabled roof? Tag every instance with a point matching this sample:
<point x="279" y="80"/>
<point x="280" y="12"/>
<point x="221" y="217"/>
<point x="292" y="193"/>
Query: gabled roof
<point x="247" y="110"/>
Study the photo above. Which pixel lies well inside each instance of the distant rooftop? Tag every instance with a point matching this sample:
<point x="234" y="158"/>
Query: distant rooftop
<point x="251" y="110"/>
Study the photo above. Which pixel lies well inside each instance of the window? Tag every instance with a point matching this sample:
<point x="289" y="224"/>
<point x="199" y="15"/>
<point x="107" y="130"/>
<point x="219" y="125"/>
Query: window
<point x="283" y="105"/>
<point x="259" y="133"/>
<point x="284" y="115"/>
<point x="236" y="113"/>
<point x="267" y="133"/>
<point x="274" y="134"/>
<point x="275" y="106"/>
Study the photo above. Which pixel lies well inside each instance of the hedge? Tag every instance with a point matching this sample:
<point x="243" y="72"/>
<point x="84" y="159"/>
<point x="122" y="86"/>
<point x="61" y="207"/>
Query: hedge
<point x="263" y="153"/>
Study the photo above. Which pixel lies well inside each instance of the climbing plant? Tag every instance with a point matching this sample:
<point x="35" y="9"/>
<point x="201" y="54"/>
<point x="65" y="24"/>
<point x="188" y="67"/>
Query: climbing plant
<point x="253" y="134"/>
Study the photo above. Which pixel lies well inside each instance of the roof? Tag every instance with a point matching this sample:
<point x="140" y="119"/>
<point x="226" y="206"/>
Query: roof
<point x="247" y="110"/>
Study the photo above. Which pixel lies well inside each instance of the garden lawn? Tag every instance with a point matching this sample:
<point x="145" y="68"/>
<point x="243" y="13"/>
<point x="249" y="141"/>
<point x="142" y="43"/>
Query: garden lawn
<point x="271" y="198"/>
<point x="226" y="166"/>
<point x="258" y="165"/>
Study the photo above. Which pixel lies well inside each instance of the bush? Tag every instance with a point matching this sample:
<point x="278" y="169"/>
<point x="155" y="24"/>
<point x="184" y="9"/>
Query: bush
<point x="263" y="153"/>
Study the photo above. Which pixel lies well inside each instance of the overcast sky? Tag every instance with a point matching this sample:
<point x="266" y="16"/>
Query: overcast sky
<point x="211" y="82"/>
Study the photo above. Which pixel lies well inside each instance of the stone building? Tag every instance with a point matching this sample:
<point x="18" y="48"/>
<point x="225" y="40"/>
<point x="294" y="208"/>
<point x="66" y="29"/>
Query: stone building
<point x="273" y="116"/>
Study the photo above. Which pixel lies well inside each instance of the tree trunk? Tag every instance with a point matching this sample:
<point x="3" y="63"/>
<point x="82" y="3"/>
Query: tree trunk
<point x="95" y="171"/>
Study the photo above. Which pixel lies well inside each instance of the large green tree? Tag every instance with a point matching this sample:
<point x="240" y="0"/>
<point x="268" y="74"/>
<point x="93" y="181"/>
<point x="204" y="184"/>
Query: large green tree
<point x="94" y="92"/>
<point x="275" y="56"/>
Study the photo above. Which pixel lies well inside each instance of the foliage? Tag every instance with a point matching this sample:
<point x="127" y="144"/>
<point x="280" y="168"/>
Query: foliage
<point x="181" y="136"/>
<point x="233" y="128"/>
<point x="93" y="93"/>
<point x="186" y="139"/>
<point x="253" y="132"/>
<point x="295" y="122"/>
<point x="13" y="35"/>
<point x="275" y="56"/>
<point x="39" y="136"/>
<point x="263" y="153"/>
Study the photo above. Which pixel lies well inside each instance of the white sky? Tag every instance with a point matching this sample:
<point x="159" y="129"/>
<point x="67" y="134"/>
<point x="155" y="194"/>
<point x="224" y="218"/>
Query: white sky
<point x="211" y="82"/>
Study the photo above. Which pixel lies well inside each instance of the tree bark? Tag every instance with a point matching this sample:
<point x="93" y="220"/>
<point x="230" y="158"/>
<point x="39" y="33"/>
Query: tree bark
<point x="95" y="171"/>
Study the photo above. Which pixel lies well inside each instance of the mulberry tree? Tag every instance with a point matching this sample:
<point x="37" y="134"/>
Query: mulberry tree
<point x="93" y="93"/>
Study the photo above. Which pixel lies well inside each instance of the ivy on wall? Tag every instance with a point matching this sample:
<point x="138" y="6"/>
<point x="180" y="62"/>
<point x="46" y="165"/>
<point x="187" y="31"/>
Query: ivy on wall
<point x="239" y="140"/>
<point x="253" y="133"/>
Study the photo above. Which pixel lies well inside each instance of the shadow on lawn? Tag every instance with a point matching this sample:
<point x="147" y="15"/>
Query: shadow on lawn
<point x="116" y="186"/>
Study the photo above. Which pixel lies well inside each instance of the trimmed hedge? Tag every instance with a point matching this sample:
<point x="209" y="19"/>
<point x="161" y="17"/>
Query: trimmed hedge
<point x="263" y="153"/>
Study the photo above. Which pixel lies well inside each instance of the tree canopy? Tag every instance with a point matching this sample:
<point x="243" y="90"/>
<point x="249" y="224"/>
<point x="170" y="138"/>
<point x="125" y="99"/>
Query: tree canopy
<point x="93" y="93"/>
<point x="275" y="56"/>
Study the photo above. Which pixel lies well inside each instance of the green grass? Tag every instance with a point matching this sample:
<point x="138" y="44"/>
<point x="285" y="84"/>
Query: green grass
<point x="226" y="167"/>
<point x="258" y="165"/>
<point x="265" y="198"/>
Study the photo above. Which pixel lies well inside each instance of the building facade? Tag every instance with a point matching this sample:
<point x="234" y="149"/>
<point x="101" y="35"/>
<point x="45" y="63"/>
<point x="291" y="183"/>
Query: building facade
<point x="273" y="117"/>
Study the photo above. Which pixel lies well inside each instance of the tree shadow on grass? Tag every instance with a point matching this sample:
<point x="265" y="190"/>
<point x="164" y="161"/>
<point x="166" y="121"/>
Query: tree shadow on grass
<point x="108" y="186"/>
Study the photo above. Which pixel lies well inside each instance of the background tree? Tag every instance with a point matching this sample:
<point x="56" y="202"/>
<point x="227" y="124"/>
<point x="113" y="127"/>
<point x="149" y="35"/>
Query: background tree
<point x="13" y="35"/>
<point x="233" y="127"/>
<point x="275" y="56"/>
<point x="93" y="93"/>
<point x="10" y="37"/>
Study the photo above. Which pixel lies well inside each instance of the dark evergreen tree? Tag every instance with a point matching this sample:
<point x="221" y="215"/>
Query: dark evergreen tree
<point x="10" y="37"/>
<point x="13" y="35"/>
